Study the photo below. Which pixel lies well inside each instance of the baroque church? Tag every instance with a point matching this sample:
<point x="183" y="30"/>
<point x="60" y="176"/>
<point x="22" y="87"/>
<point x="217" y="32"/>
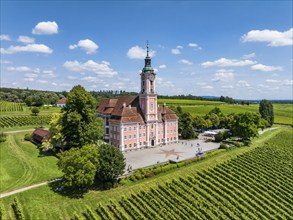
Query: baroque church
<point x="136" y="122"/>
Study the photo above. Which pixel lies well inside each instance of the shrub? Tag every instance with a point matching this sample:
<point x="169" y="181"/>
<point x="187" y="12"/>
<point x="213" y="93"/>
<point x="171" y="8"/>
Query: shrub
<point x="3" y="137"/>
<point x="2" y="211"/>
<point x="35" y="111"/>
<point x="28" y="137"/>
<point x="246" y="142"/>
<point x="223" y="146"/>
<point x="17" y="210"/>
<point x="219" y="137"/>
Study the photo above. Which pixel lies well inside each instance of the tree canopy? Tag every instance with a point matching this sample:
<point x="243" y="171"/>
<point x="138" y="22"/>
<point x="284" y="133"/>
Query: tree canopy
<point x="79" y="166"/>
<point x="112" y="164"/>
<point x="266" y="111"/>
<point x="80" y="124"/>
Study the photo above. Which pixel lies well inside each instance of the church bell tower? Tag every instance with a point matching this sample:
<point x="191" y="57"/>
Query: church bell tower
<point x="147" y="95"/>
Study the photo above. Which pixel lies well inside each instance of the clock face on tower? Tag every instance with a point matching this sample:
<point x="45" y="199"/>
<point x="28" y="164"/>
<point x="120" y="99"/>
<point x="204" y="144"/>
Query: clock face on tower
<point x="152" y="77"/>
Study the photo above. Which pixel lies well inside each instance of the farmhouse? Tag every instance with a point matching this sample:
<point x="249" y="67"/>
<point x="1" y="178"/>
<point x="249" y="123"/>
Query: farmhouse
<point x="40" y="135"/>
<point x="61" y="102"/>
<point x="134" y="122"/>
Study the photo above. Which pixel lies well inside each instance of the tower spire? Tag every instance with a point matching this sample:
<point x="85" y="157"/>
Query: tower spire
<point x="147" y="46"/>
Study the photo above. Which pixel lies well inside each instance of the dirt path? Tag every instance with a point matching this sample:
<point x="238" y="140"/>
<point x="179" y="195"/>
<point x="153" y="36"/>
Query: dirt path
<point x="27" y="188"/>
<point x="17" y="131"/>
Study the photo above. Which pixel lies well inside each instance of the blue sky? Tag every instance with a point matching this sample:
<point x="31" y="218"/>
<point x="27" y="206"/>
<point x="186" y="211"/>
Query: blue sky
<point x="241" y="49"/>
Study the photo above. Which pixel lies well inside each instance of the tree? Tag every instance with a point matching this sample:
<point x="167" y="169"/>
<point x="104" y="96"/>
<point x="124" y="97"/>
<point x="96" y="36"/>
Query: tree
<point x="112" y="164"/>
<point x="79" y="166"/>
<point x="35" y="111"/>
<point x="80" y="124"/>
<point x="245" y="125"/>
<point x="266" y="111"/>
<point x="55" y="129"/>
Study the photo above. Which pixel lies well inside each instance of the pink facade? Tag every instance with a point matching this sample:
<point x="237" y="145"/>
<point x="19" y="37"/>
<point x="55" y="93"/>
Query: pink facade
<point x="136" y="122"/>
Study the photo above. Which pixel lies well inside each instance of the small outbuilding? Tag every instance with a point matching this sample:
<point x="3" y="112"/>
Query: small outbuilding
<point x="61" y="102"/>
<point x="40" y="135"/>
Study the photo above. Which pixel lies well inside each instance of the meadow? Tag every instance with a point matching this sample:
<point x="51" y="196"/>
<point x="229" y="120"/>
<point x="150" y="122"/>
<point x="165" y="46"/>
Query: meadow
<point x="242" y="183"/>
<point x="23" y="165"/>
<point x="283" y="112"/>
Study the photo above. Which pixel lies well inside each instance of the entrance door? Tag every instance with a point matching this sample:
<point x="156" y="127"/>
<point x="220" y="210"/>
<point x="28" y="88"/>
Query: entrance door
<point x="153" y="142"/>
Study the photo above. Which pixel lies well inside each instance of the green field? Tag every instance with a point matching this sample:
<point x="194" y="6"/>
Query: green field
<point x="11" y="106"/>
<point x="23" y="165"/>
<point x="244" y="183"/>
<point x="188" y="102"/>
<point x="283" y="112"/>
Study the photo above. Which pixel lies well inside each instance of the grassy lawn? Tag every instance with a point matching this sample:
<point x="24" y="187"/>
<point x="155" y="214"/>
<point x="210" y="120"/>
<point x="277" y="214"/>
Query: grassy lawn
<point x="21" y="164"/>
<point x="283" y="112"/>
<point x="188" y="102"/>
<point x="44" y="203"/>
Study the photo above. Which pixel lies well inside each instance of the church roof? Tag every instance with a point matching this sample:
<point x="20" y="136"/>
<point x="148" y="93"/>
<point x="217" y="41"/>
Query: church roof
<point x="126" y="109"/>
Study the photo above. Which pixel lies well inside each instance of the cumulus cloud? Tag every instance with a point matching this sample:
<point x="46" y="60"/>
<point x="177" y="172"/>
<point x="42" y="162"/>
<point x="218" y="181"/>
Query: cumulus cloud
<point x="194" y="46"/>
<point x="183" y="61"/>
<point x="48" y="74"/>
<point x="248" y="56"/>
<point x="223" y="75"/>
<point x="137" y="52"/>
<point x="164" y="83"/>
<point x="92" y="79"/>
<point x="273" y="37"/>
<point x="101" y="69"/>
<point x="163" y="66"/>
<point x="5" y="61"/>
<point x="177" y="50"/>
<point x="42" y="81"/>
<point x="265" y="68"/>
<point x="5" y="37"/>
<point x="71" y="77"/>
<point x="281" y="82"/>
<point x="87" y="45"/>
<point x="227" y="87"/>
<point x="31" y="75"/>
<point x="223" y="62"/>
<point x="19" y="69"/>
<point x="207" y="87"/>
<point x="33" y="48"/>
<point x="242" y="83"/>
<point x="26" y="39"/>
<point x="46" y="28"/>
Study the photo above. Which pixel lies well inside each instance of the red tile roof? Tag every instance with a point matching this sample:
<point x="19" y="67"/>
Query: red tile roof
<point x="40" y="135"/>
<point x="126" y="109"/>
<point x="62" y="101"/>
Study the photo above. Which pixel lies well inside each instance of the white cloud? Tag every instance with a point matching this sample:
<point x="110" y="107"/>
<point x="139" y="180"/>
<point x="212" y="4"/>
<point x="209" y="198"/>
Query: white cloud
<point x="265" y="68"/>
<point x="71" y="77"/>
<point x="54" y="84"/>
<point x="227" y="87"/>
<point x="42" y="81"/>
<point x="163" y="66"/>
<point x="223" y="75"/>
<point x="177" y="50"/>
<point x="31" y="75"/>
<point x="137" y="52"/>
<point x="26" y="39"/>
<point x="281" y="82"/>
<point x="34" y="48"/>
<point x="194" y="46"/>
<point x="87" y="45"/>
<point x="19" y="69"/>
<point x="248" y="56"/>
<point x="65" y="84"/>
<point x="183" y="61"/>
<point x="5" y="37"/>
<point x="46" y="28"/>
<point x="48" y="74"/>
<point x="243" y="83"/>
<point x="273" y="37"/>
<point x="92" y="79"/>
<point x="5" y="61"/>
<point x="101" y="69"/>
<point x="223" y="62"/>
<point x="164" y="83"/>
<point x="207" y="87"/>
<point x="29" y="79"/>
